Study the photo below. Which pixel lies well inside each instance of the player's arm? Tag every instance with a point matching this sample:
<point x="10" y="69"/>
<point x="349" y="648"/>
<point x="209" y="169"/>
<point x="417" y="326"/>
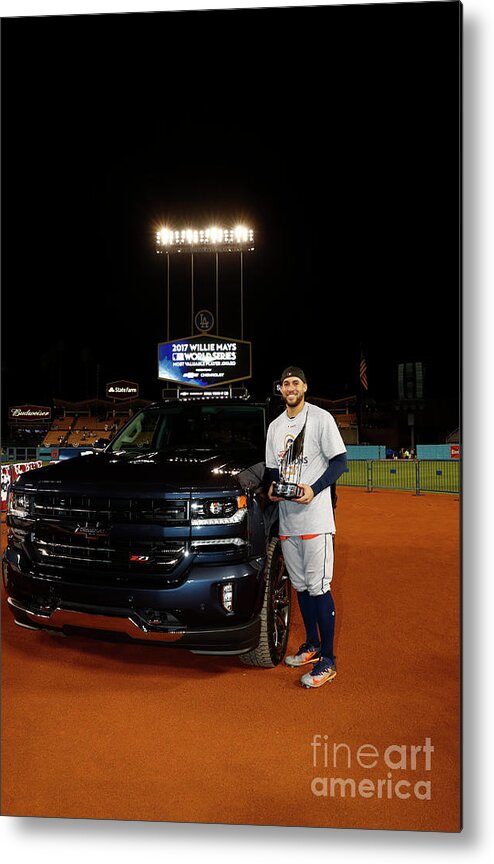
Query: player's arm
<point x="335" y="469"/>
<point x="336" y="466"/>
<point x="334" y="449"/>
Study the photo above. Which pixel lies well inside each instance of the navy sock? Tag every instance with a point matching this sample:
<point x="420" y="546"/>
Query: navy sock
<point x="325" y="616"/>
<point x="309" y="616"/>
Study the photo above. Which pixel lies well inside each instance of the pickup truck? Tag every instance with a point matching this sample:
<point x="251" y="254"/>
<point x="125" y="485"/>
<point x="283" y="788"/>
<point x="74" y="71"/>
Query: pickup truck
<point x="163" y="537"/>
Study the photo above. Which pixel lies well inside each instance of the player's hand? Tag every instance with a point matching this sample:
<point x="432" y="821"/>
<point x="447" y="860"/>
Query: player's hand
<point x="308" y="495"/>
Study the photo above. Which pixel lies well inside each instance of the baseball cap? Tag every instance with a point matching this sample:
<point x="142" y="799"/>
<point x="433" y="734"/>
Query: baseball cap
<point x="293" y="372"/>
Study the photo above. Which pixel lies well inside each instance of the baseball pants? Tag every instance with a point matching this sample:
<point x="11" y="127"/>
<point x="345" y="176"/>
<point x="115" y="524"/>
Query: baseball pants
<point x="309" y="561"/>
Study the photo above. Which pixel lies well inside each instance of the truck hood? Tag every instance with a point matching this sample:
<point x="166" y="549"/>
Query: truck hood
<point x="165" y="471"/>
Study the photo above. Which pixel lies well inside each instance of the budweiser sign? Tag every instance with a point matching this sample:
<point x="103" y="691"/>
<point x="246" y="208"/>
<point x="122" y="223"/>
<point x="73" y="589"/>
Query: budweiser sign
<point x="30" y="412"/>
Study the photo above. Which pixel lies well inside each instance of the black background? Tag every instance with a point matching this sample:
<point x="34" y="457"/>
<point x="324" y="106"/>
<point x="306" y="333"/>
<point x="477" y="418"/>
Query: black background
<point x="334" y="131"/>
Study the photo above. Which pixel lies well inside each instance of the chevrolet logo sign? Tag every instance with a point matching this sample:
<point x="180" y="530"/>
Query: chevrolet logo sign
<point x="91" y="533"/>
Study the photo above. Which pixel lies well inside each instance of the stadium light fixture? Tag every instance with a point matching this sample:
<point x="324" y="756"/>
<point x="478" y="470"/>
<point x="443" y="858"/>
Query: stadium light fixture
<point x="213" y="239"/>
<point x="240" y="238"/>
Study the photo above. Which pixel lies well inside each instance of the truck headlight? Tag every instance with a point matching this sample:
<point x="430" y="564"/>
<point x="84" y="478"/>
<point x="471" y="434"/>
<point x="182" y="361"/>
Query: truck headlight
<point x="19" y="504"/>
<point x="219" y="511"/>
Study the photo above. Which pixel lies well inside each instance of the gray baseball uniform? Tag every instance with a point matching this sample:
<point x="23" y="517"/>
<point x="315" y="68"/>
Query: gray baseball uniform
<point x="305" y="529"/>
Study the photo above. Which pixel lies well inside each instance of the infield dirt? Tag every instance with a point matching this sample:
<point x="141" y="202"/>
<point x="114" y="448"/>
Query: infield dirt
<point x="102" y="731"/>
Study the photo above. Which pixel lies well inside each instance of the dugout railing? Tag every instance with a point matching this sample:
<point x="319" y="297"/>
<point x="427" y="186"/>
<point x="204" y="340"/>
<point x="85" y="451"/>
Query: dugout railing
<point x="416" y="475"/>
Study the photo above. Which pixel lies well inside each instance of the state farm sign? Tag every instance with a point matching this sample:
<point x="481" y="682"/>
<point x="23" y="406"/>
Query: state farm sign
<point x="122" y="390"/>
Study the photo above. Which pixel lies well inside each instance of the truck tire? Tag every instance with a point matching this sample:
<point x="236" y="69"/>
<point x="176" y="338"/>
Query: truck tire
<point x="275" y="613"/>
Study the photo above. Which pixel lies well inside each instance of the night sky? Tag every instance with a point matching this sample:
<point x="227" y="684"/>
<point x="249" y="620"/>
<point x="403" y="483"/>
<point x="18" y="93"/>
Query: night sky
<point x="333" y="131"/>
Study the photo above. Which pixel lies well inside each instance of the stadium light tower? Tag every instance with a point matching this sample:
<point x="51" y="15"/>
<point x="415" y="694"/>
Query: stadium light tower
<point x="213" y="240"/>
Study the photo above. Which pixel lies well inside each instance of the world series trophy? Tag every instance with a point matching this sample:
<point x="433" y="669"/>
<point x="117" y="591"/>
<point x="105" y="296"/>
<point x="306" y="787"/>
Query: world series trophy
<point x="288" y="489"/>
<point x="291" y="470"/>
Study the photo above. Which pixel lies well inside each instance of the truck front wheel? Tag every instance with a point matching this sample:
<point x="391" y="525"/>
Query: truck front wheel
<point x="275" y="613"/>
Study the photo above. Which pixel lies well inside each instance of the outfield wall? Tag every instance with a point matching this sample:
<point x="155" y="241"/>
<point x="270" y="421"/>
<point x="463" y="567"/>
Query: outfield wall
<point x="365" y="451"/>
<point x="438" y="451"/>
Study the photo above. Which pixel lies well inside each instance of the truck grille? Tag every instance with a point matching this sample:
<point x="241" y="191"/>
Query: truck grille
<point x="127" y="555"/>
<point x="73" y="535"/>
<point x="112" y="511"/>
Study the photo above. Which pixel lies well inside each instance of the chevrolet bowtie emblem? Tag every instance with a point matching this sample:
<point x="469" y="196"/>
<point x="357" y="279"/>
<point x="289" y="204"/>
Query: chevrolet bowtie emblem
<point x="91" y="532"/>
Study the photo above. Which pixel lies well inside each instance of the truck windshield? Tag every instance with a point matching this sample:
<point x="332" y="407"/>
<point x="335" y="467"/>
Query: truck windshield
<point x="193" y="426"/>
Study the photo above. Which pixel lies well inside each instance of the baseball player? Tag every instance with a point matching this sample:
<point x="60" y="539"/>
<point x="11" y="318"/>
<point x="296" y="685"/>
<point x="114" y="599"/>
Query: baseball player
<point x="304" y="447"/>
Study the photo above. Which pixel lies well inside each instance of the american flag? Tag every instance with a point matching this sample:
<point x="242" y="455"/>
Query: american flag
<point x="363" y="372"/>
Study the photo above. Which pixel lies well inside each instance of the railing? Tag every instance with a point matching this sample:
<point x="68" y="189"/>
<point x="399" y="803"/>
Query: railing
<point x="417" y="475"/>
<point x="24" y="453"/>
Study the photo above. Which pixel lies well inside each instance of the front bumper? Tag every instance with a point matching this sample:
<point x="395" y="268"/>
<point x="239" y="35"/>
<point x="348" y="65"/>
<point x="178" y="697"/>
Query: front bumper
<point x="232" y="640"/>
<point x="187" y="616"/>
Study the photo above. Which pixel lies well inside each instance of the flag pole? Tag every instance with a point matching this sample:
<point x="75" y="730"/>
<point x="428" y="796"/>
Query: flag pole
<point x="364" y="385"/>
